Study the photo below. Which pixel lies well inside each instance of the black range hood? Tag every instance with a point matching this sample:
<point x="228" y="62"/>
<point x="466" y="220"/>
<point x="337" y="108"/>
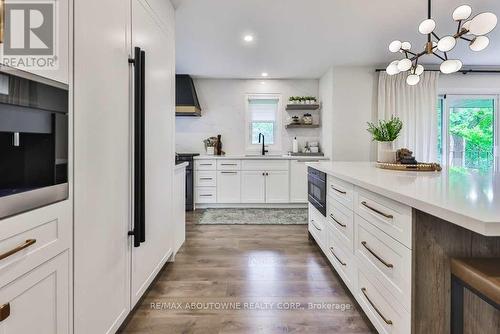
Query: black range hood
<point x="186" y="100"/>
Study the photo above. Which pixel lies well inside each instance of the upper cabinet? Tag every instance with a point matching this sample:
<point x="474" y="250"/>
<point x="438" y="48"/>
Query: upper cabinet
<point x="45" y="51"/>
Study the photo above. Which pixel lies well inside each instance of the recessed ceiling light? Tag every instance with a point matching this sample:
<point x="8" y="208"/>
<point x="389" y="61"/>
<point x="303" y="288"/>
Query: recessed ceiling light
<point x="264" y="74"/>
<point x="262" y="82"/>
<point x="248" y="38"/>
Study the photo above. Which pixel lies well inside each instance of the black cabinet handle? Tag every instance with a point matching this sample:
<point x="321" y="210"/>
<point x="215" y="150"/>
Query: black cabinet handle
<point x="139" y="231"/>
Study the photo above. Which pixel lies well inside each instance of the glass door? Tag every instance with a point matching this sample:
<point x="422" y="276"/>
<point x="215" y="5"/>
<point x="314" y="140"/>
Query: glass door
<point x="469" y="130"/>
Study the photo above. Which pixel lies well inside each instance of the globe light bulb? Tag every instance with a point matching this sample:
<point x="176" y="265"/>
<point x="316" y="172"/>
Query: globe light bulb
<point x="450" y="66"/>
<point x="462" y="13"/>
<point x="395" y="46"/>
<point x="483" y="23"/>
<point x="412" y="79"/>
<point x="406" y="46"/>
<point x="446" y="43"/>
<point x="419" y="70"/>
<point x="479" y="43"/>
<point x="392" y="69"/>
<point x="404" y="65"/>
<point x="427" y="26"/>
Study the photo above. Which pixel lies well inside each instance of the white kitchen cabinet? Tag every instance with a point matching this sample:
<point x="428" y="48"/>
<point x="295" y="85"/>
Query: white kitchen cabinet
<point x="179" y="208"/>
<point x="253" y="187"/>
<point x="228" y="186"/>
<point x="61" y="45"/>
<point x="157" y="41"/>
<point x="298" y="181"/>
<point x="39" y="300"/>
<point x="112" y="274"/>
<point x="277" y="187"/>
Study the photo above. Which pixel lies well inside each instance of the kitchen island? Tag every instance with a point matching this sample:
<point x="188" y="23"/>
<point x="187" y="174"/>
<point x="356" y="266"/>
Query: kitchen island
<point x="390" y="236"/>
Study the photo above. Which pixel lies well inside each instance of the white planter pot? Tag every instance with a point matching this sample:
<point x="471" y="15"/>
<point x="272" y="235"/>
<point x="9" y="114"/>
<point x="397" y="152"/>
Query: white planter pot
<point x="386" y="151"/>
<point x="210" y="150"/>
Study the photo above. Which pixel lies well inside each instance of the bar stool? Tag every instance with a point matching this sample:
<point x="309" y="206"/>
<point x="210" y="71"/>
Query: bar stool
<point x="479" y="275"/>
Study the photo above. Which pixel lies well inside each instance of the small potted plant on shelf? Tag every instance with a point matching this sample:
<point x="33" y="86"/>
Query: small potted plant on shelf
<point x="385" y="133"/>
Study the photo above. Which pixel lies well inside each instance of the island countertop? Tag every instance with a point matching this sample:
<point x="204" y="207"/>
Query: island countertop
<point x="465" y="197"/>
<point x="260" y="157"/>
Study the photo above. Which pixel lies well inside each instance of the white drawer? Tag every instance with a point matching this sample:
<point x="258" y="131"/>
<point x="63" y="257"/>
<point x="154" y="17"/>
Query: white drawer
<point x="317" y="226"/>
<point x="205" y="164"/>
<point x="205" y="178"/>
<point x="385" y="259"/>
<point x="381" y="308"/>
<point x="342" y="221"/>
<point x="341" y="191"/>
<point x="50" y="226"/>
<point x="264" y="165"/>
<point x="206" y="195"/>
<point x="228" y="164"/>
<point x="341" y="258"/>
<point x="391" y="217"/>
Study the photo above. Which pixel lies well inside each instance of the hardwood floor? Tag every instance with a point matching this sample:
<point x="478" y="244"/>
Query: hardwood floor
<point x="247" y="279"/>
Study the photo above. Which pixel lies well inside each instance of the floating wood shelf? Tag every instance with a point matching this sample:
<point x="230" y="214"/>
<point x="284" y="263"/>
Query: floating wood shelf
<point x="302" y="126"/>
<point x="302" y="106"/>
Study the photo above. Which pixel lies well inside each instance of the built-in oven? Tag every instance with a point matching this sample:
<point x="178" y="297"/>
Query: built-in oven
<point x="33" y="143"/>
<point x="316" y="181"/>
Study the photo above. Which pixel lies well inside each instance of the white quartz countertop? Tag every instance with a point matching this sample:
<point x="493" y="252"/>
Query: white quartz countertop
<point x="259" y="157"/>
<point x="181" y="166"/>
<point x="464" y="197"/>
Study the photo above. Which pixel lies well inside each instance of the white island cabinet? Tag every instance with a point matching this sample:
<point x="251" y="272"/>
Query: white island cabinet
<point x="390" y="236"/>
<point x="251" y="181"/>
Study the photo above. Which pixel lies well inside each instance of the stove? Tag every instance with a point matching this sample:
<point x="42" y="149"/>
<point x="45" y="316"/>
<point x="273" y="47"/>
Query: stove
<point x="188" y="157"/>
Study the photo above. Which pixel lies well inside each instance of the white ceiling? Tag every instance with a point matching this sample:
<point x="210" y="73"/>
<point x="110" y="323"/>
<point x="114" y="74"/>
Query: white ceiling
<point x="303" y="38"/>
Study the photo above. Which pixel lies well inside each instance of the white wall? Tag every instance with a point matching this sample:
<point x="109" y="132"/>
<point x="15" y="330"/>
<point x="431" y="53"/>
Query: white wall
<point x="223" y="112"/>
<point x="326" y="97"/>
<point x="473" y="83"/>
<point x="353" y="94"/>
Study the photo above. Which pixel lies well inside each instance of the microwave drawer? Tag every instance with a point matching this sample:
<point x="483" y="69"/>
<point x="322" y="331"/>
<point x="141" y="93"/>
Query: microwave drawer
<point x="32" y="238"/>
<point x="385" y="259"/>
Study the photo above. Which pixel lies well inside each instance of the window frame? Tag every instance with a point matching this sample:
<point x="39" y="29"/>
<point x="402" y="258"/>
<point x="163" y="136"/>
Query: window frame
<point x="445" y="114"/>
<point x="278" y="128"/>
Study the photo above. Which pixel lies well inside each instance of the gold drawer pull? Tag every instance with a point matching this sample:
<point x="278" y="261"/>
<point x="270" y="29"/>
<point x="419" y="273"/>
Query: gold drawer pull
<point x="388" y="265"/>
<point x="312" y="222"/>
<point x="377" y="211"/>
<point x="4" y="311"/>
<point x="342" y="263"/>
<point x="338" y="190"/>
<point x="335" y="220"/>
<point x="387" y="321"/>
<point x="19" y="248"/>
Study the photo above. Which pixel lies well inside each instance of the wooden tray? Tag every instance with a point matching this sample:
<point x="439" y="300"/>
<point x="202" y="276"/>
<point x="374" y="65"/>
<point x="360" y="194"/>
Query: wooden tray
<point x="420" y="167"/>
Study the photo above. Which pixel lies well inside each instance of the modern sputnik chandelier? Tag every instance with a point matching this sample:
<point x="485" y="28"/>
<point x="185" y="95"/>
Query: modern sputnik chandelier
<point x="472" y="31"/>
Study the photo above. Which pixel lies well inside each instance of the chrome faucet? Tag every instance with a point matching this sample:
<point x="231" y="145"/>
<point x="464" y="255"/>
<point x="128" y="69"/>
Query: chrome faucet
<point x="264" y="151"/>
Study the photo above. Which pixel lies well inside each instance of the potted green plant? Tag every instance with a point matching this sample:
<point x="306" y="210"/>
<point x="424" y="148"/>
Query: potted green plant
<point x="385" y="133"/>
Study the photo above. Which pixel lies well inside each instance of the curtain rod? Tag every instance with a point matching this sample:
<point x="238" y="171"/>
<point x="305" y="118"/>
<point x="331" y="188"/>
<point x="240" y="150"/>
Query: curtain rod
<point x="461" y="71"/>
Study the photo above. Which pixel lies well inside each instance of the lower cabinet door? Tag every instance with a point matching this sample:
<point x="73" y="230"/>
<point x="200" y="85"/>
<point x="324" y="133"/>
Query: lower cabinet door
<point x="228" y="187"/>
<point x="277" y="187"/>
<point x="298" y="181"/>
<point x="38" y="300"/>
<point x="253" y="187"/>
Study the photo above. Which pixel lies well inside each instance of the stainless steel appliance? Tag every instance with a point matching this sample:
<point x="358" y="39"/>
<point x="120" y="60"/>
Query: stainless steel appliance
<point x="33" y="143"/>
<point x="316" y="181"/>
<point x="188" y="157"/>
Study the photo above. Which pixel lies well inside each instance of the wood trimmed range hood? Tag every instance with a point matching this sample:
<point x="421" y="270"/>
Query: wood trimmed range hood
<point x="186" y="99"/>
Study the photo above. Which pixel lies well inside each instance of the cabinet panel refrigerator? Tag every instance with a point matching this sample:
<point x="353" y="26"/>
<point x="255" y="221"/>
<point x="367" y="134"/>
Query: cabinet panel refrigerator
<point x="124" y="155"/>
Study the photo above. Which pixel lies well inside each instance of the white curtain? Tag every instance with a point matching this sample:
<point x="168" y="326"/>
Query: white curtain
<point x="416" y="107"/>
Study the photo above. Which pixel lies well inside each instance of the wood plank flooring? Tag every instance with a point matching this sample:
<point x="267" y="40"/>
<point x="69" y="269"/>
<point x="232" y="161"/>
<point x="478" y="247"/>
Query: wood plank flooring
<point x="235" y="279"/>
